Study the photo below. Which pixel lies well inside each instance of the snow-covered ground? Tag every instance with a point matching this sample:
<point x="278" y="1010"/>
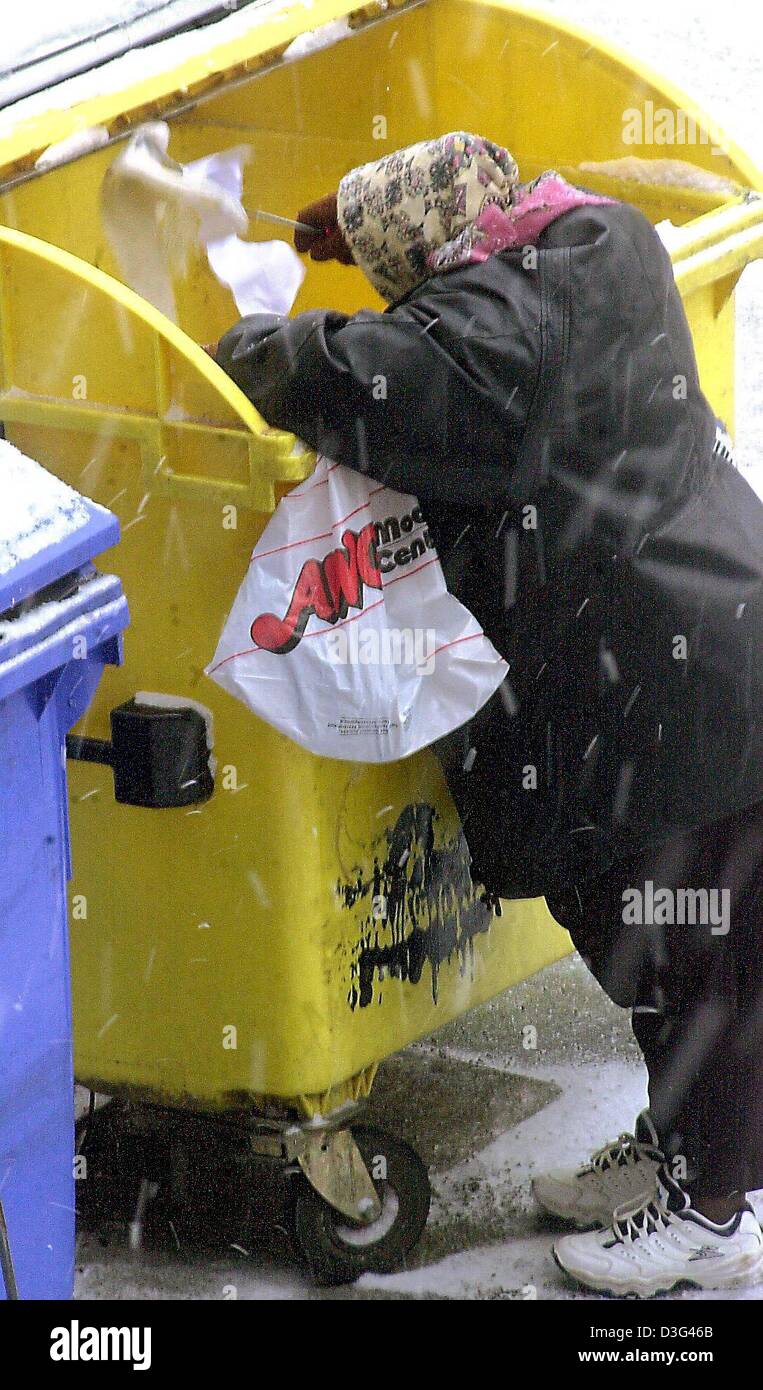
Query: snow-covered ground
<point x="484" y="1114"/>
<point x="491" y="1112"/>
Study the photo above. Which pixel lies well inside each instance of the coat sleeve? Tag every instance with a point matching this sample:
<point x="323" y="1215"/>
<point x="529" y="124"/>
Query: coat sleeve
<point x="378" y="392"/>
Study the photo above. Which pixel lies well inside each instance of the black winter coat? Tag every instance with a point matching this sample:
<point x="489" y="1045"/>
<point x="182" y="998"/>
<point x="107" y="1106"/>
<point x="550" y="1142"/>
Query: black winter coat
<point x="549" y="418"/>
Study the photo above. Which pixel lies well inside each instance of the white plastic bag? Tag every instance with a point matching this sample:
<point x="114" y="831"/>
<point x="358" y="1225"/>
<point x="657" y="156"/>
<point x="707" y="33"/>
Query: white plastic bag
<point x="343" y="634"/>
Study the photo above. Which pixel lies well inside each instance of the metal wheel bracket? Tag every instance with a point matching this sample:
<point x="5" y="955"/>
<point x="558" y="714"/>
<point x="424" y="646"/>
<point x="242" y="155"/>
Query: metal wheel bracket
<point x="287" y="1139"/>
<point x="334" y="1166"/>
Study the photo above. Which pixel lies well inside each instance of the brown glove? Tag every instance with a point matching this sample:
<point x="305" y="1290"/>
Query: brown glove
<point x="326" y="243"/>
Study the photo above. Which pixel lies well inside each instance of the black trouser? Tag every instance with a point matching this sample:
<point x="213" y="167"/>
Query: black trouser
<point x="696" y="991"/>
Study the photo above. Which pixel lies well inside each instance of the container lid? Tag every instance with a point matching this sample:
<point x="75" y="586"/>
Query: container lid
<point x="51" y="44"/>
<point x="46" y="528"/>
<point x="153" y="78"/>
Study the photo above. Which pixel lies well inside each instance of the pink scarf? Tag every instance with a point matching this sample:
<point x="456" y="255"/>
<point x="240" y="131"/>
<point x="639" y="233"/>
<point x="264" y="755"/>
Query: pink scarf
<point x="533" y="206"/>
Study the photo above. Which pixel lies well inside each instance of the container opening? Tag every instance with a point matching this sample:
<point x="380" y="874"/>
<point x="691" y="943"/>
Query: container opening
<point x="341" y="95"/>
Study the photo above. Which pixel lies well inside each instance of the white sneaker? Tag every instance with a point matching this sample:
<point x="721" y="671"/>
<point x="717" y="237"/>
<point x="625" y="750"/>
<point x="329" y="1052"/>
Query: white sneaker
<point x="620" y="1172"/>
<point x="661" y="1242"/>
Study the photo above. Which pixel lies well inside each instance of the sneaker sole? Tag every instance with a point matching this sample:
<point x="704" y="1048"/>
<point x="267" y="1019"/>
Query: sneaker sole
<point x="737" y="1279"/>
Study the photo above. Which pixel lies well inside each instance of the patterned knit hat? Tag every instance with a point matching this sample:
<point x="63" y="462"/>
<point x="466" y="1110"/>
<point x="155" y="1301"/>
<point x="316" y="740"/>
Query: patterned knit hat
<point x="396" y="211"/>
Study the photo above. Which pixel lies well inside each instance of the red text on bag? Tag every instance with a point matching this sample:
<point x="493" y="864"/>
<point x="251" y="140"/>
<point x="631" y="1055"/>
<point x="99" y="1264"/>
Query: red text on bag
<point x="327" y="588"/>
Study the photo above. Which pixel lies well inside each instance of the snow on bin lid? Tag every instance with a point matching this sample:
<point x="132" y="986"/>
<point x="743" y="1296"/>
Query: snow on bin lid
<point x="46" y="528"/>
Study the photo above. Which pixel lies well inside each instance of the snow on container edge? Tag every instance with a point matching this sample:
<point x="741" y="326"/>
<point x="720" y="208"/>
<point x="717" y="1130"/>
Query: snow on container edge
<point x="37" y="509"/>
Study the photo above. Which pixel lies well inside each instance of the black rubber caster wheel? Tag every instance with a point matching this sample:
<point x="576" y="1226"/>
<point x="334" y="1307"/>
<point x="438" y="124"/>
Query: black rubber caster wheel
<point x="337" y="1250"/>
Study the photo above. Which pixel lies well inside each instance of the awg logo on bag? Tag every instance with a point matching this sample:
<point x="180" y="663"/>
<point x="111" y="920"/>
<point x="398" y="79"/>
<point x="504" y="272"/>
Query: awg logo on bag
<point x="328" y="588"/>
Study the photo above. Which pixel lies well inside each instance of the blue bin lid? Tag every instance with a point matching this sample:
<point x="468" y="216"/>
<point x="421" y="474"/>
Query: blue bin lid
<point x="46" y="529"/>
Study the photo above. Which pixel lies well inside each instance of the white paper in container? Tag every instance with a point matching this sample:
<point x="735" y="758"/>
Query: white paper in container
<point x="343" y="634"/>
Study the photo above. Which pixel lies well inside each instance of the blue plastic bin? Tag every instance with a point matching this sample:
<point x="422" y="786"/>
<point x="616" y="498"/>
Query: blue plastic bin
<point x="60" y="622"/>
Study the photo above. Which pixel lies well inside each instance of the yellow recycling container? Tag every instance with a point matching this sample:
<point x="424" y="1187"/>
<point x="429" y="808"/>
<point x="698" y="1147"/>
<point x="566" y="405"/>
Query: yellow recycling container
<point x="269" y="945"/>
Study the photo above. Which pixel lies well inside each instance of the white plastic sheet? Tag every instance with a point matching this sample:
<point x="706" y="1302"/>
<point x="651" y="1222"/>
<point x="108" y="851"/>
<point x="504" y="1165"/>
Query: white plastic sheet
<point x="263" y="276"/>
<point x="156" y="211"/>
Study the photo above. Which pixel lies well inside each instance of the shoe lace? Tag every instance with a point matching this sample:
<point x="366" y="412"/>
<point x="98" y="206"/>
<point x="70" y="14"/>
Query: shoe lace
<point x="641" y="1216"/>
<point x="620" y="1153"/>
